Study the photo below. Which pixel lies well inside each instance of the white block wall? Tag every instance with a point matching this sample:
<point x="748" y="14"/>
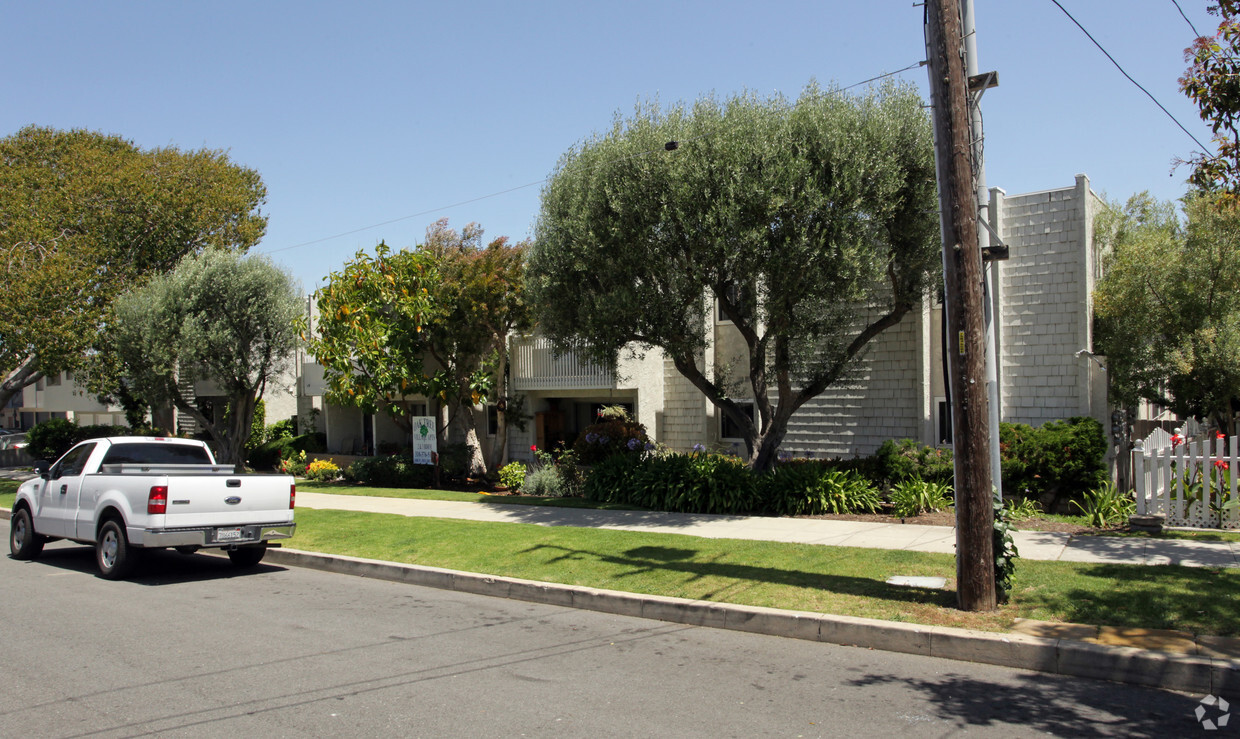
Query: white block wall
<point x="1045" y="294"/>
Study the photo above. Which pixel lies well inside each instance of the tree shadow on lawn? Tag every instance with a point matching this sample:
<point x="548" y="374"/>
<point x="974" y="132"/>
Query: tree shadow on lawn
<point x="648" y="559"/>
<point x="1196" y="599"/>
<point x="552" y="515"/>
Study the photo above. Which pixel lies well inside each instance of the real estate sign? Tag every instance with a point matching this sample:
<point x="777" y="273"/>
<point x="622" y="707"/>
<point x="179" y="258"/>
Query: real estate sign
<point x="424" y="446"/>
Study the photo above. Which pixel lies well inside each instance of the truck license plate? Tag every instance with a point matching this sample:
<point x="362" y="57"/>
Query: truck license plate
<point x="228" y="534"/>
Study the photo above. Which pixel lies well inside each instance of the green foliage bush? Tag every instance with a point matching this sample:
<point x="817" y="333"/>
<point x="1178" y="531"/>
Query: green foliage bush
<point x="512" y="475"/>
<point x="395" y="471"/>
<point x="454" y="460"/>
<point x="1106" y="505"/>
<point x="545" y="482"/>
<point x="1060" y="459"/>
<point x="913" y="496"/>
<point x="52" y="438"/>
<point x="907" y="459"/>
<point x="610" y="437"/>
<point x="610" y="480"/>
<point x="268" y="456"/>
<point x="809" y="489"/>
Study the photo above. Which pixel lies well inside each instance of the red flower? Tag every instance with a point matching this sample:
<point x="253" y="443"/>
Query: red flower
<point x="1176" y="440"/>
<point x="1219" y="435"/>
<point x="533" y="447"/>
<point x="1221" y="465"/>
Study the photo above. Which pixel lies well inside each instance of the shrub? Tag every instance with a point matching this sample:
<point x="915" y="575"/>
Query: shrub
<point x="807" y="489"/>
<point x="322" y="470"/>
<point x="913" y="497"/>
<point x="1057" y="460"/>
<point x="1106" y="505"/>
<point x="268" y="455"/>
<point x="610" y="480"/>
<point x="294" y="464"/>
<point x="907" y="459"/>
<point x="544" y="482"/>
<point x="610" y="437"/>
<point x="454" y="460"/>
<point x="396" y="471"/>
<point x="512" y="475"/>
<point x="285" y="429"/>
<point x="52" y="438"/>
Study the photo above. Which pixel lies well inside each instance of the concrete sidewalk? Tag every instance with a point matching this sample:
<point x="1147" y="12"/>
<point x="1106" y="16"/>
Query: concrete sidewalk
<point x="1042" y="545"/>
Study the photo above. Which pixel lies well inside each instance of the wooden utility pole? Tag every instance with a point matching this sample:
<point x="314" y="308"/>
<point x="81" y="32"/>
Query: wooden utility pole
<point x="962" y="282"/>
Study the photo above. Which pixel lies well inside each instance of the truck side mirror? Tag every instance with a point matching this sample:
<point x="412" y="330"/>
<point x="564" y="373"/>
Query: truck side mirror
<point x="41" y="466"/>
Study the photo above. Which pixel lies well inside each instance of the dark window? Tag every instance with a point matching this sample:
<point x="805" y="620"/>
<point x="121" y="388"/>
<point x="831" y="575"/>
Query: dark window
<point x="72" y="463"/>
<point x="741" y="297"/>
<point x="492" y="420"/>
<point x="149" y="453"/>
<point x="945" y="422"/>
<point x="728" y="429"/>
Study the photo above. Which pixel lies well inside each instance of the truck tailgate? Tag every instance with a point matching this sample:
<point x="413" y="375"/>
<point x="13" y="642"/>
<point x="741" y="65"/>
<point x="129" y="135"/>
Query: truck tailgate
<point x="226" y="500"/>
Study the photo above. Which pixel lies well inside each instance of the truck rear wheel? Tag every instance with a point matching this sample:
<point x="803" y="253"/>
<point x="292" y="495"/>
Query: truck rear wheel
<point x="24" y="543"/>
<point x="247" y="556"/>
<point x="112" y="551"/>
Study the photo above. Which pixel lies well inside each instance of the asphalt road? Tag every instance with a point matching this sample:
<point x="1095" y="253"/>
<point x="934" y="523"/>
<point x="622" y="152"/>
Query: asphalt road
<point x="192" y="648"/>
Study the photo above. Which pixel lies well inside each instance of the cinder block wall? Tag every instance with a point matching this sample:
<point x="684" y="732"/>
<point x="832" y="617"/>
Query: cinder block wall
<point x="1045" y="292"/>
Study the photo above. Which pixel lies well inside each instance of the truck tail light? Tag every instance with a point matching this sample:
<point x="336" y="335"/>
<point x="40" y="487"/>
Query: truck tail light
<point x="157" y="501"/>
<point x="292" y="496"/>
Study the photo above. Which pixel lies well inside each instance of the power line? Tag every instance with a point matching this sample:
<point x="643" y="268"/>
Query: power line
<point x="1196" y="33"/>
<point x="667" y="147"/>
<point x="1130" y="79"/>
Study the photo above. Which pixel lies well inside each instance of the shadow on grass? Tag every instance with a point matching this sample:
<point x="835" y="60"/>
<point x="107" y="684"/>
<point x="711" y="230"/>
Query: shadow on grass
<point x="1048" y="704"/>
<point x="649" y="559"/>
<point x="1196" y="599"/>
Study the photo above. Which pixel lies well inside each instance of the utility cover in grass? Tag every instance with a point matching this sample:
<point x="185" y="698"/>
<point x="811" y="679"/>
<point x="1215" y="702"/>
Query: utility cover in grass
<point x="934" y="583"/>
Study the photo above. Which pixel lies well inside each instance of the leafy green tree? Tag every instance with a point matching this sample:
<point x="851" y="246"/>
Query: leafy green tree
<point x="429" y="322"/>
<point x="84" y="215"/>
<point x="1212" y="81"/>
<point x="483" y="298"/>
<point x="217" y="316"/>
<point x="812" y="223"/>
<point x="1168" y="305"/>
<point x="368" y="333"/>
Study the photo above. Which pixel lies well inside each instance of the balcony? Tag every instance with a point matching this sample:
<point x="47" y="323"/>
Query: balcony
<point x="535" y="366"/>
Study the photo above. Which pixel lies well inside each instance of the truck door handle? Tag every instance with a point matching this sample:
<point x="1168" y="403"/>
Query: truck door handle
<point x="233" y="483"/>
<point x="64" y="489"/>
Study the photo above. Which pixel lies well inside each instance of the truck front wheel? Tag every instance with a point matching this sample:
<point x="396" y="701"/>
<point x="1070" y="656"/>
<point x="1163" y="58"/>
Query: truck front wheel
<point x="24" y="543"/>
<point x="112" y="551"/>
<point x="247" y="556"/>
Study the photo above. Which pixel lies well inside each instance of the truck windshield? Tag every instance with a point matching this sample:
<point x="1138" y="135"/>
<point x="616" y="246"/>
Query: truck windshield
<point x="139" y="453"/>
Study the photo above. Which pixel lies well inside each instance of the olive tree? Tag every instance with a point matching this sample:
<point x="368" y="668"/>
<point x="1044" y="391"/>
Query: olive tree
<point x="217" y="316"/>
<point x="811" y="222"/>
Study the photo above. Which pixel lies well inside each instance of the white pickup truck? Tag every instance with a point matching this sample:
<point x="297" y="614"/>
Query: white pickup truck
<point x="130" y="493"/>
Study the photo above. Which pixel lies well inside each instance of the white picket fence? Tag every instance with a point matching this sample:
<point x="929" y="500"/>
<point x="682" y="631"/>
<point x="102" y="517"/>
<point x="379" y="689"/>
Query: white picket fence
<point x="1188" y="483"/>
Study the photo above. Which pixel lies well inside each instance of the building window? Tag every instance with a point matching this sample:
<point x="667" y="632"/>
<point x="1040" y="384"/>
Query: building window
<point x="492" y="420"/>
<point x="728" y="429"/>
<point x="942" y="422"/>
<point x="739" y="295"/>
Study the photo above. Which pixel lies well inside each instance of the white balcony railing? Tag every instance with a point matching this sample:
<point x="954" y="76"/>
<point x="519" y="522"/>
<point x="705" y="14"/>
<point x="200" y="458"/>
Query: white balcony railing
<point x="536" y="366"/>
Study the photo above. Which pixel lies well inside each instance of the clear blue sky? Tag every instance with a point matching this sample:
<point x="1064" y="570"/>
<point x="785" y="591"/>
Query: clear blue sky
<point x="362" y="113"/>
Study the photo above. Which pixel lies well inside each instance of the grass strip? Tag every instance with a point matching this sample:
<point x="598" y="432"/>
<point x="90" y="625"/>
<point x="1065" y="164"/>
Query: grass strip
<point x="338" y="488"/>
<point x="836" y="580"/>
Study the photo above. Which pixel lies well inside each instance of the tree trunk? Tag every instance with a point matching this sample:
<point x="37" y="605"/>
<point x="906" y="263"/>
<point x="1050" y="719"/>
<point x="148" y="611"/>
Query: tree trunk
<point x="463" y="420"/>
<point x="26" y="373"/>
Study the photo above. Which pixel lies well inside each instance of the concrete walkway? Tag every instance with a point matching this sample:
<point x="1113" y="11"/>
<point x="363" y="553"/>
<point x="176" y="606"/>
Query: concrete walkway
<point x="1041" y="545"/>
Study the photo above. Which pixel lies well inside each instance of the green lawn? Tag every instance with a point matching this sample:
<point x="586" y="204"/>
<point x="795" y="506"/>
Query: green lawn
<point x="340" y="488"/>
<point x="835" y="580"/>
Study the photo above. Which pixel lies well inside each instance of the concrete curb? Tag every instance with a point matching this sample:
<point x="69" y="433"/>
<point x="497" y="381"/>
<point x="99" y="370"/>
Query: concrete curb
<point x="1168" y="670"/>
